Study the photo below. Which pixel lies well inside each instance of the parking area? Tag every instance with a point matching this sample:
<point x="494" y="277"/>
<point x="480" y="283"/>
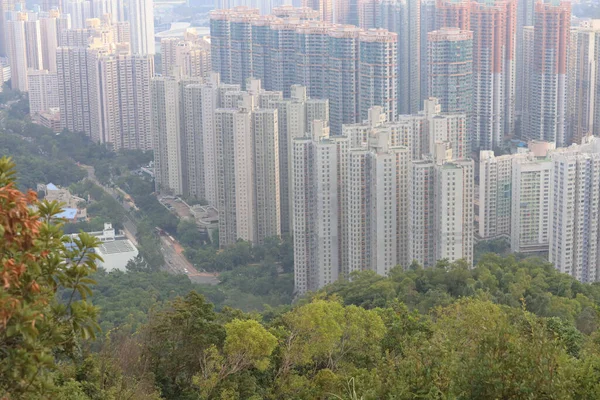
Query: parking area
<point x="176" y="206"/>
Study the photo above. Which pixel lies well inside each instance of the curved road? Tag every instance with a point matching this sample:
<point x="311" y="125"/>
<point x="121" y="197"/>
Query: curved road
<point x="170" y="248"/>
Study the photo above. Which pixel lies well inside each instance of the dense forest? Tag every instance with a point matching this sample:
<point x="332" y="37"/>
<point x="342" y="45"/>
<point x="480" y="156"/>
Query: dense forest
<point x="510" y="328"/>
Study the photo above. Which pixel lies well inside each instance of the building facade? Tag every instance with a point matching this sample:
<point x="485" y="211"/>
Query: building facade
<point x="404" y="18"/>
<point x="319" y="164"/>
<point x="582" y="82"/>
<point x="450" y="70"/>
<point x="43" y="91"/>
<point x="325" y="58"/>
<point x="141" y="23"/>
<point x="530" y="210"/>
<point x="547" y="112"/>
<point x="575" y="203"/>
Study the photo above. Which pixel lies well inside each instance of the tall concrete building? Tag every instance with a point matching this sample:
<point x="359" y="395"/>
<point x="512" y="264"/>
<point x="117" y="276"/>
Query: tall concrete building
<point x="368" y="14"/>
<point x="409" y="131"/>
<point x="597" y="89"/>
<point x="376" y="206"/>
<point x="134" y="74"/>
<point x="350" y="213"/>
<point x="291" y="11"/>
<point x="494" y="67"/>
<point x="319" y="167"/>
<point x="220" y="44"/>
<point x="575" y="204"/>
<point x="453" y="211"/>
<point x="525" y="17"/>
<point x="295" y="117"/>
<point x="420" y="212"/>
<point x="63" y="23"/>
<point x="596" y="122"/>
<point x="324" y="7"/>
<point x="494" y="40"/>
<point x="49" y="32"/>
<point x="79" y="10"/>
<point x="236" y="199"/>
<point x="377" y="72"/>
<point x="141" y="22"/>
<point x="33" y="40"/>
<point x="419" y="132"/>
<point x="450" y="69"/>
<point x="43" y="91"/>
<point x="121" y="31"/>
<point x="187" y="57"/>
<point x="313" y="54"/>
<point x="440" y="212"/>
<point x="530" y="209"/>
<point x="201" y="99"/>
<point x="404" y="18"/>
<point x="281" y="72"/>
<point x="6" y="7"/>
<point x="495" y="193"/>
<point x="343" y="77"/>
<point x="526" y="74"/>
<point x="241" y="47"/>
<point x="22" y="54"/>
<point x="74" y="92"/>
<point x="168" y="135"/>
<point x="174" y="154"/>
<point x="453" y="14"/>
<point x="47" y="5"/>
<point x="428" y="24"/>
<point x="264" y="7"/>
<point x="247" y="153"/>
<point x="346" y="12"/>
<point x="545" y="200"/>
<point x="113" y="8"/>
<point x="266" y="168"/>
<point x="582" y="82"/>
<point x="450" y="129"/>
<point x="261" y="29"/>
<point x="200" y="102"/>
<point x="325" y="58"/>
<point x="548" y="86"/>
<point x="104" y="92"/>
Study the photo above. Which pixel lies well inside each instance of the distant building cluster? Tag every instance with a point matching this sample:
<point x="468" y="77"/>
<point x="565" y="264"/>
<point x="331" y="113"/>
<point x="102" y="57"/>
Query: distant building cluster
<point x="86" y="65"/>
<point x="545" y="200"/>
<point x="371" y="131"/>
<point x="72" y="211"/>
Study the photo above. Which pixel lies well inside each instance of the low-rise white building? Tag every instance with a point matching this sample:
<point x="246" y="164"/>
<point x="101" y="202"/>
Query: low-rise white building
<point x="115" y="249"/>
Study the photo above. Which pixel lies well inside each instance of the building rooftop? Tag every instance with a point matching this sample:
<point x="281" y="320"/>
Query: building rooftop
<point x="115" y="247"/>
<point x="67" y="213"/>
<point x="51" y="186"/>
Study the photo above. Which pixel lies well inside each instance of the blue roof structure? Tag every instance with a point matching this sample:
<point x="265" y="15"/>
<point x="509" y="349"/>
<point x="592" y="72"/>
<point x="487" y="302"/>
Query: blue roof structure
<point x="68" y="213"/>
<point x="51" y="186"/>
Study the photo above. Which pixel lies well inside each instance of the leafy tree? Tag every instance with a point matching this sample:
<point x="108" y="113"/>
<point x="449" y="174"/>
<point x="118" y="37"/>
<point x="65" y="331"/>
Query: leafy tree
<point x="149" y="246"/>
<point x="247" y="344"/>
<point x="35" y="263"/>
<point x="495" y="359"/>
<point x="136" y="264"/>
<point x="188" y="234"/>
<point x="496" y="246"/>
<point x="503" y="280"/>
<point x="180" y="340"/>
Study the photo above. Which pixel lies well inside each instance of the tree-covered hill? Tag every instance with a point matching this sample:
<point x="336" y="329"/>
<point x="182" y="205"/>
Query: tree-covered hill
<point x="532" y="283"/>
